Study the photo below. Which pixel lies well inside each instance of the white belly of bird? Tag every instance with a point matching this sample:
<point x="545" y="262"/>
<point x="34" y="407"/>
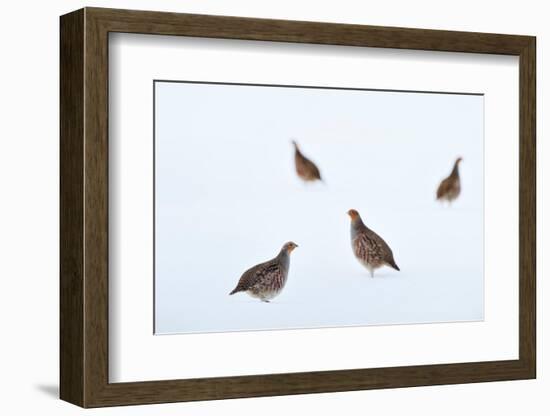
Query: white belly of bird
<point x="264" y="295"/>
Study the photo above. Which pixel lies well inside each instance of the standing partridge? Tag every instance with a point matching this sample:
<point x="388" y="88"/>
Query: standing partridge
<point x="305" y="168"/>
<point x="267" y="280"/>
<point x="449" y="188"/>
<point x="369" y="248"/>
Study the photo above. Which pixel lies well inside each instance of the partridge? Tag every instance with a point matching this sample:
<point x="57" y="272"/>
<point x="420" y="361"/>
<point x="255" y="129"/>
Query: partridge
<point x="449" y="188"/>
<point x="369" y="248"/>
<point x="305" y="168"/>
<point x="266" y="280"/>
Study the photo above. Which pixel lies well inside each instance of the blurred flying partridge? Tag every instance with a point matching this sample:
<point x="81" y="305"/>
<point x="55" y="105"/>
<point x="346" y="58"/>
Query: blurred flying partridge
<point x="369" y="248"/>
<point x="266" y="280"/>
<point x="449" y="188"/>
<point x="305" y="168"/>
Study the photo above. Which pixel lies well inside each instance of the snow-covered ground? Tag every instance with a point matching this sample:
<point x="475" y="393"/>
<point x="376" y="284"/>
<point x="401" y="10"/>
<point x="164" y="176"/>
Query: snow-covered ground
<point x="227" y="198"/>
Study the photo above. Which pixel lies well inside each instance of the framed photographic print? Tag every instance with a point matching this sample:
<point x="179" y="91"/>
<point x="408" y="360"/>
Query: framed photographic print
<point x="255" y="207"/>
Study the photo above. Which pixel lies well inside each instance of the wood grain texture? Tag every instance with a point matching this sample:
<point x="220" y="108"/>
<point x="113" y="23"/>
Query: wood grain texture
<point x="162" y="23"/>
<point x="71" y="213"/>
<point x="84" y="207"/>
<point x="96" y="208"/>
<point x="528" y="208"/>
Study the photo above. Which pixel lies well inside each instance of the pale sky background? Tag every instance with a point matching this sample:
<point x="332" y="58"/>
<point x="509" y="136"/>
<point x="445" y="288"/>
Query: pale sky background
<point x="227" y="198"/>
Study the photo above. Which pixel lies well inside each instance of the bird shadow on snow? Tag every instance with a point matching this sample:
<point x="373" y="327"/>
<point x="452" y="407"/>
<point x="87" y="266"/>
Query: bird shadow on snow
<point x="275" y="301"/>
<point x="387" y="276"/>
<point x="378" y="275"/>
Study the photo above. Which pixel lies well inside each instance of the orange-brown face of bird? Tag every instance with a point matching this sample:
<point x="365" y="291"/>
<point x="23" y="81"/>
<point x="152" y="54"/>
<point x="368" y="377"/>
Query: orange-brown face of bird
<point x="290" y="246"/>
<point x="353" y="214"/>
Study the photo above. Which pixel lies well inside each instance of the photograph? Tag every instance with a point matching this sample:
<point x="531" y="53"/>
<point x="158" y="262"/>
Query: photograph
<point x="284" y="207"/>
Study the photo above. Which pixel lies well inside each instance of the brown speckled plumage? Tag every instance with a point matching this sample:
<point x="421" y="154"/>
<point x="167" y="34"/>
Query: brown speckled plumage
<point x="449" y="188"/>
<point x="369" y="248"/>
<point x="305" y="168"/>
<point x="266" y="280"/>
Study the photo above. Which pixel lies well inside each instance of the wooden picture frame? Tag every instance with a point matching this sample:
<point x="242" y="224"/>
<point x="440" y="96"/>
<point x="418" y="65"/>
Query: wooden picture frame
<point x="84" y="207"/>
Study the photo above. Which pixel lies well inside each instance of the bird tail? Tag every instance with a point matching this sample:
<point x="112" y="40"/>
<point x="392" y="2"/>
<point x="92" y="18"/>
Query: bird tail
<point x="392" y="264"/>
<point x="235" y="291"/>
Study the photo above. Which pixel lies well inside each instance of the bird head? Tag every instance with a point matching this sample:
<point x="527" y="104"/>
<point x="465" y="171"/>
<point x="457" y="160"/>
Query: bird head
<point x="458" y="160"/>
<point x="353" y="214"/>
<point x="294" y="143"/>
<point x="288" y="247"/>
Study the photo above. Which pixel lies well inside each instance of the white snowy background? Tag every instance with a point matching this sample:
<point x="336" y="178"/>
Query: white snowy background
<point x="227" y="198"/>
